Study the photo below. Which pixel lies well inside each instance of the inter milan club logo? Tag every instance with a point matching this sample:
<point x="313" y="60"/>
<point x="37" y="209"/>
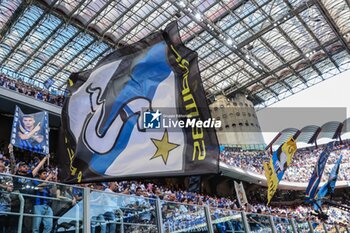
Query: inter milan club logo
<point x="151" y="120"/>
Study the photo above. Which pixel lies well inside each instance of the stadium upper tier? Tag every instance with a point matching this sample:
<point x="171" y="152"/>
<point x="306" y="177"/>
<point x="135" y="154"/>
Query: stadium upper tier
<point x="28" y="90"/>
<point x="299" y="171"/>
<point x="265" y="49"/>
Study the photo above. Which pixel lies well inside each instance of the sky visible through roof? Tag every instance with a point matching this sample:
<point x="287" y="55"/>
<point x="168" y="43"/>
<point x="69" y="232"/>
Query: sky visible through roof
<point x="331" y="93"/>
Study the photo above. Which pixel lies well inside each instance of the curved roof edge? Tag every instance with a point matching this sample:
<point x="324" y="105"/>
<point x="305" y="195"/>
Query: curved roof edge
<point x="252" y="177"/>
<point x="311" y="133"/>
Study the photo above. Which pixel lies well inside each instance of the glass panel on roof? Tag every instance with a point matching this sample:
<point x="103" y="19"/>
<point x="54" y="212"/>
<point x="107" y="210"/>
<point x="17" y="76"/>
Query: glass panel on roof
<point x="317" y="24"/>
<point x="296" y="3"/>
<point x="260" y="51"/>
<point x="7" y="8"/>
<point x="276" y="9"/>
<point x="341" y="58"/>
<point x="340" y="13"/>
<point x="52" y="48"/>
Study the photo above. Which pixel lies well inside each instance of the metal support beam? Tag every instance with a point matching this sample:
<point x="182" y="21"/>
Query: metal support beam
<point x="332" y="24"/>
<point x="27" y="33"/>
<point x="258" y="34"/>
<point x="294" y="225"/>
<point x="301" y="8"/>
<point x="21" y="211"/>
<point x="244" y="86"/>
<point x="72" y="38"/>
<point x="48" y="37"/>
<point x="217" y="19"/>
<point x="310" y="32"/>
<point x="245" y="222"/>
<point x="213" y="33"/>
<point x="83" y="30"/>
<point x="284" y="34"/>
<point x="348" y="3"/>
<point x="208" y="219"/>
<point x="160" y="225"/>
<point x="77" y="218"/>
<point x="272" y="224"/>
<point x="13" y="19"/>
<point x="272" y="50"/>
<point x="77" y="24"/>
<point x="55" y="54"/>
<point x="86" y="211"/>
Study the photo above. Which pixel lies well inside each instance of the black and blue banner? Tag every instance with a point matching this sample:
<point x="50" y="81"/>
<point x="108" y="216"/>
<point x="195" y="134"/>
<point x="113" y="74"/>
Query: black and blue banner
<point x="31" y="131"/>
<point x="328" y="188"/>
<point x="318" y="171"/>
<point x="111" y="118"/>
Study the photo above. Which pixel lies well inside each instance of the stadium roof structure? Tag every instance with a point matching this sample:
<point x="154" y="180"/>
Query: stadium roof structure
<point x="266" y="49"/>
<point x="311" y="133"/>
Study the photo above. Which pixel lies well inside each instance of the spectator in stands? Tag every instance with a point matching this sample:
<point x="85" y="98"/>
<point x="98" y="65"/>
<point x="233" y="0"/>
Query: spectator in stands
<point x="42" y="206"/>
<point x="20" y="87"/>
<point x="301" y="167"/>
<point x="23" y="170"/>
<point x="25" y="186"/>
<point x="6" y="187"/>
<point x="112" y="187"/>
<point x="142" y="205"/>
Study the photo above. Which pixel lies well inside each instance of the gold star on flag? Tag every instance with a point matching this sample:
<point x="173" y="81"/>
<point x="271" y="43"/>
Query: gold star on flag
<point x="163" y="147"/>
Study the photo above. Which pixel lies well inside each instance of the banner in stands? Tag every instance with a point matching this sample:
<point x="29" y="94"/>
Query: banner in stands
<point x="318" y="171"/>
<point x="109" y="135"/>
<point x="328" y="188"/>
<point x="240" y="192"/>
<point x="274" y="170"/>
<point x="31" y="131"/>
<point x="48" y="83"/>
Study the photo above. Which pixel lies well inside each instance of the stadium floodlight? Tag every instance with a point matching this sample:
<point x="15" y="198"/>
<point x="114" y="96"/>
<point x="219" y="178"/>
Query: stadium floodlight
<point x="182" y="4"/>
<point x="229" y="41"/>
<point x="198" y="16"/>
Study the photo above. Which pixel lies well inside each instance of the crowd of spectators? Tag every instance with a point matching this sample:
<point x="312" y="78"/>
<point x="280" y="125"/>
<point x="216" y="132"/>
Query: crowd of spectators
<point x="180" y="209"/>
<point x="302" y="165"/>
<point x="25" y="89"/>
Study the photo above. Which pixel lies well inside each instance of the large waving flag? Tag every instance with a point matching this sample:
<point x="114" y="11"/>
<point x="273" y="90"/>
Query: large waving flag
<point x="328" y="188"/>
<point x="318" y="171"/>
<point x="113" y="118"/>
<point x="274" y="170"/>
<point x="31" y="131"/>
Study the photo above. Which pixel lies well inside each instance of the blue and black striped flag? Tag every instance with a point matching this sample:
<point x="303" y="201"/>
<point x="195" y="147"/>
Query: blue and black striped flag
<point x="328" y="188"/>
<point x="318" y="171"/>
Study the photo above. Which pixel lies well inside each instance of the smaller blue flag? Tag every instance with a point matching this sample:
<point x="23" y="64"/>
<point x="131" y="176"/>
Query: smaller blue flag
<point x="318" y="171"/>
<point x="328" y="188"/>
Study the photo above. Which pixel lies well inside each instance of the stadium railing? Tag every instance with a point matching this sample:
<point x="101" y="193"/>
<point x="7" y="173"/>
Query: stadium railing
<point x="28" y="206"/>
